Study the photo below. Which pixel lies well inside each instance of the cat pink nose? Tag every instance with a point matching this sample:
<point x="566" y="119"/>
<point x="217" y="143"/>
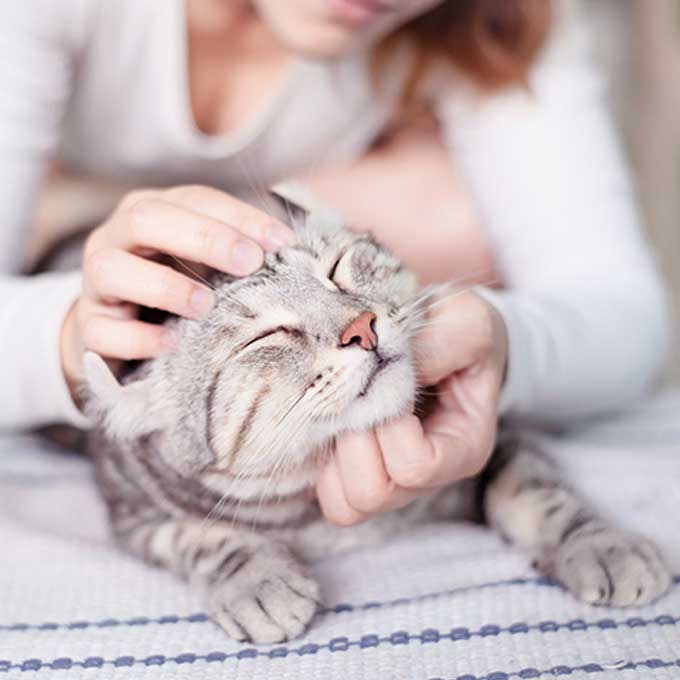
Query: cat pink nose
<point x="361" y="332"/>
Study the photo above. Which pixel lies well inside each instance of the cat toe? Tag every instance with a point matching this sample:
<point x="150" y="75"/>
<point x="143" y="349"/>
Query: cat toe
<point x="271" y="602"/>
<point x="612" y="568"/>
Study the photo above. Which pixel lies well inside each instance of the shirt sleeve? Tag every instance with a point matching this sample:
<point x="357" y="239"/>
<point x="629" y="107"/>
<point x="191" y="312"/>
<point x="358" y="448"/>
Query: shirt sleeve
<point x="36" y="42"/>
<point x="585" y="310"/>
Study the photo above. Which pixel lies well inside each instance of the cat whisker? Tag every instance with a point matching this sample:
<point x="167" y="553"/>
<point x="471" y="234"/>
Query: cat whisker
<point x="280" y="433"/>
<point x="436" y="290"/>
<point x="267" y="203"/>
<point x="278" y="466"/>
<point x="194" y="273"/>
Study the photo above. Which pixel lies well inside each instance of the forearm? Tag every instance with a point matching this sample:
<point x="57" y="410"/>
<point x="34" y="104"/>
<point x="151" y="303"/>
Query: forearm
<point x="582" y="355"/>
<point x="33" y="390"/>
<point x="585" y="308"/>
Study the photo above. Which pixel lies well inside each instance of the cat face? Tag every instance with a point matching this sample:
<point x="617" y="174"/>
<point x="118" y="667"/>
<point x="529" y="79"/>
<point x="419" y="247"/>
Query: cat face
<point x="316" y="343"/>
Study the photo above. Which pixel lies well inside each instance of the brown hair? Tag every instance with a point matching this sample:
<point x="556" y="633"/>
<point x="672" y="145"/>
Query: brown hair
<point x="494" y="42"/>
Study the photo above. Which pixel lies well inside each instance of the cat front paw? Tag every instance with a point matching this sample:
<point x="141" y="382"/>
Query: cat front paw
<point x="263" y="598"/>
<point x="611" y="567"/>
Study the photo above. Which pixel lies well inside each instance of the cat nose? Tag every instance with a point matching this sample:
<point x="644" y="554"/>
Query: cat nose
<point x="361" y="331"/>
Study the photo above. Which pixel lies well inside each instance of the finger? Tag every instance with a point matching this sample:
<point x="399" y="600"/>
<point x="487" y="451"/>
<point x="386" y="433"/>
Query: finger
<point x="430" y="457"/>
<point x="262" y="228"/>
<point x="119" y="275"/>
<point x="460" y="320"/>
<point x="363" y="476"/>
<point x="156" y="224"/>
<point x="92" y="306"/>
<point x="466" y="422"/>
<point x="332" y="499"/>
<point x="407" y="457"/>
<point x="128" y="340"/>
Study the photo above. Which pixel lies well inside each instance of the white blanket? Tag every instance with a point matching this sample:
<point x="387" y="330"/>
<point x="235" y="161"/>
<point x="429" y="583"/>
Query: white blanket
<point x="443" y="602"/>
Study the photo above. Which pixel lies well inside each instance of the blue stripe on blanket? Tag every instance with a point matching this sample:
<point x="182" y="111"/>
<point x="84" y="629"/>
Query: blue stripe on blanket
<point x="343" y="644"/>
<point x="200" y="617"/>
<point x="336" y="609"/>
<point x="590" y="668"/>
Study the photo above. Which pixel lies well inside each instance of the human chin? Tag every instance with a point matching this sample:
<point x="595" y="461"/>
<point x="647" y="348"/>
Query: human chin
<point x="318" y="28"/>
<point x="323" y="42"/>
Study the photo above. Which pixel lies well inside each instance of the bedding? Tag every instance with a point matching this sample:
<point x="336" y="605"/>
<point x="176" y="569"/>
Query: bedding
<point x="442" y="602"/>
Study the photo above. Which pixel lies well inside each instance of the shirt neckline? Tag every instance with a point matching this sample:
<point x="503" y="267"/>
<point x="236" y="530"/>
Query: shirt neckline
<point x="243" y="135"/>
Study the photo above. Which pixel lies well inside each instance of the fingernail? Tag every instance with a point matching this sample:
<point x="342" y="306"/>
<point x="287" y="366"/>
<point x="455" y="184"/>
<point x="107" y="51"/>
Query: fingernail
<point x="202" y="302"/>
<point x="276" y="236"/>
<point x="246" y="258"/>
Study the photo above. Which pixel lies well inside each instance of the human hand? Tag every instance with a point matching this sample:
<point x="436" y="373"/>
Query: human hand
<point x="463" y="351"/>
<point x="196" y="223"/>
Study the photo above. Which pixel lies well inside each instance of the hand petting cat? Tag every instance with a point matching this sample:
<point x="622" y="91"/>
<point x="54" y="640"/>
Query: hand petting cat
<point x="201" y="224"/>
<point x="463" y="352"/>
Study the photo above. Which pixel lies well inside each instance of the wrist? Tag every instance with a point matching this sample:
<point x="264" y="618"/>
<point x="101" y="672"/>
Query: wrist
<point x="71" y="352"/>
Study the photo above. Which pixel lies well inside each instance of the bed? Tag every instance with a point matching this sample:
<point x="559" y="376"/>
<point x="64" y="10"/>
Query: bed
<point x="444" y="602"/>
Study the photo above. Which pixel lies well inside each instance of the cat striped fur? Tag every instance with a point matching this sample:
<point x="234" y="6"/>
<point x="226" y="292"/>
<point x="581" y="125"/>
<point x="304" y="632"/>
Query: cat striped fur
<point x="207" y="457"/>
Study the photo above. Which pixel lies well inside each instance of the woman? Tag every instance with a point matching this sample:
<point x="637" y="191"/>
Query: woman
<point x="216" y="92"/>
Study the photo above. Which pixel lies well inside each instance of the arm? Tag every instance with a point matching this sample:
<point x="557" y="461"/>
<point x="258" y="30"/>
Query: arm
<point x="47" y="322"/>
<point x="35" y="81"/>
<point x="584" y="310"/>
<point x="584" y="326"/>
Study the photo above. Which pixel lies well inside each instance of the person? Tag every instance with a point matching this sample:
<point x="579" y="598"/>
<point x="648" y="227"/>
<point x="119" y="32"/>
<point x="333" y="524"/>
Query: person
<point x="190" y="100"/>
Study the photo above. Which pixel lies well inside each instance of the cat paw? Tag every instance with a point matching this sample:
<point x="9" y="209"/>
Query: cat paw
<point x="263" y="598"/>
<point x="613" y="568"/>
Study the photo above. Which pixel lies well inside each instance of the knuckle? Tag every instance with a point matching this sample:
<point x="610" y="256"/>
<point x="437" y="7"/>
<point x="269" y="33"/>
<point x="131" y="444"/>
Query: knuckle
<point x="342" y="517"/>
<point x="133" y="197"/>
<point x="166" y="288"/>
<point x="337" y="511"/>
<point x="93" y="243"/>
<point x="369" y="498"/>
<point x="413" y="476"/>
<point x="171" y="291"/>
<point x="248" y="224"/>
<point x="97" y="265"/>
<point x="139" y="216"/>
<point x="184" y="193"/>
<point x="206" y="239"/>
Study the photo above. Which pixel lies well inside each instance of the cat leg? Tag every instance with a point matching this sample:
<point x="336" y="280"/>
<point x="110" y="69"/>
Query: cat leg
<point x="254" y="588"/>
<point x="527" y="501"/>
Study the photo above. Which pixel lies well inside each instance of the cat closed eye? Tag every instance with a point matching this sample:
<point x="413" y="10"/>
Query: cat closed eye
<point x="294" y="332"/>
<point x="334" y="268"/>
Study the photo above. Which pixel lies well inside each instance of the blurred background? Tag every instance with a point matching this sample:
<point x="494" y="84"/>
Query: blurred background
<point x="637" y="43"/>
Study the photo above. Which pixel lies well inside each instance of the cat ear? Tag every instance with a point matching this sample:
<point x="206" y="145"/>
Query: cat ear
<point x="124" y="410"/>
<point x="301" y="209"/>
<point x="289" y="206"/>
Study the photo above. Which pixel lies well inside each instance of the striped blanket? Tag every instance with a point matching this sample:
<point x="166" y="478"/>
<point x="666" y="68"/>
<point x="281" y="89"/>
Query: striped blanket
<point x="445" y="602"/>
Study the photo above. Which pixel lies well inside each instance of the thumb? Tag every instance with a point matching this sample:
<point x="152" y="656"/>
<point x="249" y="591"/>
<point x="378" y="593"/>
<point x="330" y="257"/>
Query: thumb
<point x="459" y="333"/>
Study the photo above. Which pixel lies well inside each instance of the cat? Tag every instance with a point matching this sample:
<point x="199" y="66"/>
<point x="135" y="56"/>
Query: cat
<point x="207" y="456"/>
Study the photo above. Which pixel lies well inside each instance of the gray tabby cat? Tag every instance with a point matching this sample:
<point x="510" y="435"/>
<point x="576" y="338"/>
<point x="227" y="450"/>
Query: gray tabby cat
<point x="207" y="457"/>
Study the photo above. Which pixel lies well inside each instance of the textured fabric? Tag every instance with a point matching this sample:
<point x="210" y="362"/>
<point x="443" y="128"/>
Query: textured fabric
<point x="442" y="602"/>
<point x="105" y="82"/>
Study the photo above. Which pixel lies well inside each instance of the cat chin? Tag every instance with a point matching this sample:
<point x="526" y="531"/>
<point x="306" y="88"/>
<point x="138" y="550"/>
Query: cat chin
<point x="390" y="396"/>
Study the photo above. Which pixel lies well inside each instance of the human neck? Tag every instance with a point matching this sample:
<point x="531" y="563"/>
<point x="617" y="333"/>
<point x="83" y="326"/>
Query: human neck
<point x="234" y="63"/>
<point x="211" y="17"/>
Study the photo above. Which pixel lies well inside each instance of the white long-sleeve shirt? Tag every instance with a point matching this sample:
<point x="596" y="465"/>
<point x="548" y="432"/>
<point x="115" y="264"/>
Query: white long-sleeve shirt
<point x="104" y="84"/>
